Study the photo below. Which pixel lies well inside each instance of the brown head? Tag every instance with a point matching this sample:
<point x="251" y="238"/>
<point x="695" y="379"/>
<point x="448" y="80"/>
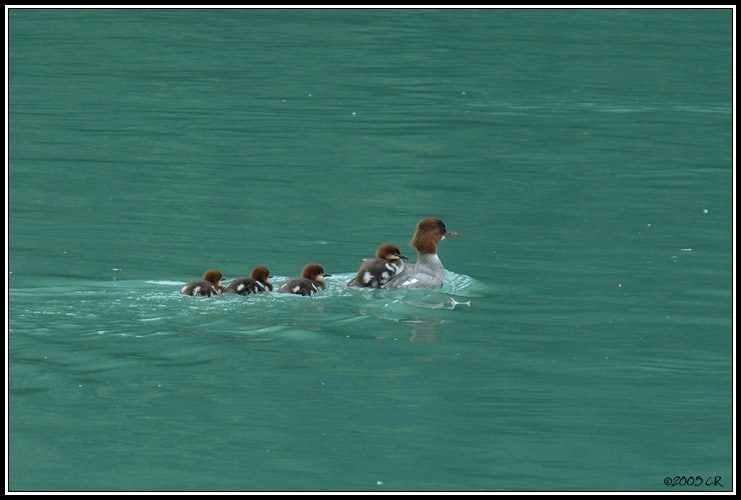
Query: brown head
<point x="262" y="274"/>
<point x="214" y="276"/>
<point x="429" y="233"/>
<point x="314" y="272"/>
<point x="389" y="251"/>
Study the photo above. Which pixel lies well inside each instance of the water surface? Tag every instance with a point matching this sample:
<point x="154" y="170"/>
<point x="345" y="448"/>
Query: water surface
<point x="584" y="157"/>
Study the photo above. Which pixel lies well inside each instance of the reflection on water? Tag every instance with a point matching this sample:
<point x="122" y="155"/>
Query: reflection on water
<point x="424" y="329"/>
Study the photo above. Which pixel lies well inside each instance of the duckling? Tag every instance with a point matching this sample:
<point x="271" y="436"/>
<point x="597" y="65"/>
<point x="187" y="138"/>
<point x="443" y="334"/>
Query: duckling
<point x="206" y="287"/>
<point x="256" y="282"/>
<point x="310" y="281"/>
<point x="374" y="273"/>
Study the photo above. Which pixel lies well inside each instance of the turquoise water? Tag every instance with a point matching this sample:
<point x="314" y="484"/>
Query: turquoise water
<point x="583" y="156"/>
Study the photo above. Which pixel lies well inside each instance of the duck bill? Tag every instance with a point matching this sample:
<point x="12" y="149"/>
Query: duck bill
<point x="450" y="235"/>
<point x="402" y="256"/>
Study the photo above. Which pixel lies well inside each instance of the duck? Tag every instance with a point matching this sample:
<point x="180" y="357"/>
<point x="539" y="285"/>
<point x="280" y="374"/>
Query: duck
<point x="374" y="273"/>
<point x="256" y="282"/>
<point x="428" y="271"/>
<point x="206" y="287"/>
<point x="309" y="283"/>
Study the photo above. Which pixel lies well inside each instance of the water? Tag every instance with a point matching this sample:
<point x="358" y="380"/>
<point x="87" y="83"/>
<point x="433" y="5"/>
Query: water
<point x="584" y="157"/>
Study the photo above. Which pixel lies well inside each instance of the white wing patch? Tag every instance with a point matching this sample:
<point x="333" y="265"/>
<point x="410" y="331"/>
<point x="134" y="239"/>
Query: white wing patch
<point x="296" y="289"/>
<point x="367" y="277"/>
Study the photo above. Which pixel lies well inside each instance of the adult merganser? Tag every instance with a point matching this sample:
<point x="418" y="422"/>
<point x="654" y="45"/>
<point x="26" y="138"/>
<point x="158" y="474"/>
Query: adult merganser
<point x="256" y="282"/>
<point x="310" y="281"/>
<point x="375" y="273"/>
<point x="428" y="272"/>
<point x="208" y="286"/>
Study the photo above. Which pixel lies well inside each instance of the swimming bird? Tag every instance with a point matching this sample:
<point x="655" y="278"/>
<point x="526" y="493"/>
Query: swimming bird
<point x="206" y="287"/>
<point x="256" y="282"/>
<point x="310" y="281"/>
<point x="428" y="272"/>
<point x="374" y="273"/>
